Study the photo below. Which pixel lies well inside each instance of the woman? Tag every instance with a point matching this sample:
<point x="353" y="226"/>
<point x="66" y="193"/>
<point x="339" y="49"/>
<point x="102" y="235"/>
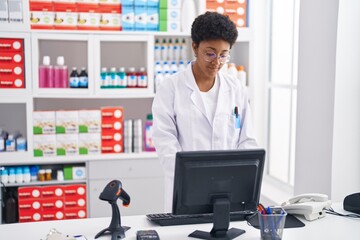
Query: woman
<point x="202" y="108"/>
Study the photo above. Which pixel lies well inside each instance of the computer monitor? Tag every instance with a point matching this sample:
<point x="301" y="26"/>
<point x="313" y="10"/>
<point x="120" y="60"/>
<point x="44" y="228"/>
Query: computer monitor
<point x="218" y="182"/>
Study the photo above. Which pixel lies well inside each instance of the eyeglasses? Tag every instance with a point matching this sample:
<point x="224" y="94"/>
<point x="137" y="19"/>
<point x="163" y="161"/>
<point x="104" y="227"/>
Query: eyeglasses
<point x="211" y="56"/>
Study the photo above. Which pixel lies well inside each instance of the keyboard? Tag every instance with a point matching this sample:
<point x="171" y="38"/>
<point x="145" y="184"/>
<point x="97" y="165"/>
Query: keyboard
<point x="168" y="219"/>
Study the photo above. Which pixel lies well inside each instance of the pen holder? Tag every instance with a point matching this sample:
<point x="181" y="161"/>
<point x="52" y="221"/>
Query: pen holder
<point x="272" y="223"/>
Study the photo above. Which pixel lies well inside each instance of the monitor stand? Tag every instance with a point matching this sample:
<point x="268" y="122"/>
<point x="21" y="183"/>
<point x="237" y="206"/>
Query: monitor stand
<point x="221" y="221"/>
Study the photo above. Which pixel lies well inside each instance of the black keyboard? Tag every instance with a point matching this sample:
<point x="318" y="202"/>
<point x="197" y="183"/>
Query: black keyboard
<point x="168" y="219"/>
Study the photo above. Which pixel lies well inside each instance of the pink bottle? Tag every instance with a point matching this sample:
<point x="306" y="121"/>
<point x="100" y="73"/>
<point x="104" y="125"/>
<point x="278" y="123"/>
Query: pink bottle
<point x="61" y="73"/>
<point x="46" y="74"/>
<point x="149" y="144"/>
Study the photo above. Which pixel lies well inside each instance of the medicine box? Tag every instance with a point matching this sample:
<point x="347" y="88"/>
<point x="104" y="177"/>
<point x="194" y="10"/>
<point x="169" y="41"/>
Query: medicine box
<point x="110" y="17"/>
<point x="153" y="4"/>
<point x="89" y="143"/>
<point x="50" y="215"/>
<point x="128" y="18"/>
<point x="112" y="113"/>
<point x="89" y="121"/>
<point x="75" y="213"/>
<point x="169" y="26"/>
<point x="140" y="18"/>
<point x="79" y="172"/>
<point x="169" y="14"/>
<point x="41" y="15"/>
<point x="152" y="22"/>
<point x="88" y="17"/>
<point x="4" y="15"/>
<point x="67" y="145"/>
<point x="66" y="16"/>
<point x="44" y="122"/>
<point x="67" y="122"/>
<point x="44" y="145"/>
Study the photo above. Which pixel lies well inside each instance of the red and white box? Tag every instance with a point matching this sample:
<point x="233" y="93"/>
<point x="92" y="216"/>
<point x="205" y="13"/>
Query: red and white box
<point x="75" y="213"/>
<point x="111" y="124"/>
<point x="29" y="193"/>
<point x="41" y="14"/>
<point x="110" y="17"/>
<point x="112" y="147"/>
<point x="11" y="81"/>
<point x="215" y="6"/>
<point x="50" y="215"/>
<point x="236" y="10"/>
<point x="66" y="14"/>
<point x="89" y="17"/>
<point x="55" y="191"/>
<point x="112" y="113"/>
<point x="11" y="57"/>
<point x="11" y="45"/>
<point x="75" y="202"/>
<point x="30" y="216"/>
<point x="75" y="190"/>
<point x="30" y="205"/>
<point x="111" y="135"/>
<point x="53" y="204"/>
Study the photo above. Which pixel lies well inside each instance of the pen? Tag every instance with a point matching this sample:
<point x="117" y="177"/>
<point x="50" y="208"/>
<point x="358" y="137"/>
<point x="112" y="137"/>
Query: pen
<point x="236" y="112"/>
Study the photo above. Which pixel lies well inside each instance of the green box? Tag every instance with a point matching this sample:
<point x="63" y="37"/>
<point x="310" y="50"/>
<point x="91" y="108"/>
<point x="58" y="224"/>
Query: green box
<point x="68" y="175"/>
<point x="163" y="14"/>
<point x="162" y="26"/>
<point x="163" y="3"/>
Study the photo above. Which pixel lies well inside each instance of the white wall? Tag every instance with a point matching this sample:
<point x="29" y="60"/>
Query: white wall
<point x="328" y="119"/>
<point x="346" y="134"/>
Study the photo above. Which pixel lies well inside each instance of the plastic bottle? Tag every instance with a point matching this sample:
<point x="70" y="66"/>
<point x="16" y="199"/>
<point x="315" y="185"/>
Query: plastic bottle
<point x="173" y="67"/>
<point x="149" y="145"/>
<point x="122" y="78"/>
<point x="166" y="67"/>
<point x="46" y="74"/>
<point x="142" y="80"/>
<point x="34" y="173"/>
<point x="164" y="50"/>
<point x="188" y="14"/>
<point x="74" y="78"/>
<point x="83" y="78"/>
<point x="176" y="50"/>
<point x="19" y="175"/>
<point x="41" y="175"/>
<point x="48" y="173"/>
<point x="113" y="78"/>
<point x="104" y="78"/>
<point x="170" y="51"/>
<point x="241" y="74"/>
<point x="159" y="78"/>
<point x="26" y="174"/>
<point x="157" y="50"/>
<point x="4" y="176"/>
<point x="132" y="79"/>
<point x="183" y="50"/>
<point x="21" y="144"/>
<point x="11" y="178"/>
<point x="10" y="209"/>
<point x="138" y="138"/>
<point x="181" y="66"/>
<point x="61" y="78"/>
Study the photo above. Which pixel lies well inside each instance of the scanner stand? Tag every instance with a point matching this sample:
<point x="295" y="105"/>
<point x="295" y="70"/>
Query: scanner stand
<point x="115" y="229"/>
<point x="221" y="219"/>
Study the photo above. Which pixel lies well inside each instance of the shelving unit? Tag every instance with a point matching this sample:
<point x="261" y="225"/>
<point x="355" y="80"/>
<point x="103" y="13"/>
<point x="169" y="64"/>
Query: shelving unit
<point x="141" y="173"/>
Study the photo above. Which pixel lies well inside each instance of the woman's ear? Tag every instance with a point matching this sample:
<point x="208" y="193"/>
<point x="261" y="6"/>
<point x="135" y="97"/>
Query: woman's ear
<point x="195" y="48"/>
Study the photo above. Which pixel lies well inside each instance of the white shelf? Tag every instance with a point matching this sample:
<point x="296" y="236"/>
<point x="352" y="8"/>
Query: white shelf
<point x="26" y="158"/>
<point x="44" y="183"/>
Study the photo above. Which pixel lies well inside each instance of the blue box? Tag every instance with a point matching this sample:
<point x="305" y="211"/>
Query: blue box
<point x="153" y="3"/>
<point x="128" y="18"/>
<point x="140" y="3"/>
<point x="152" y="19"/>
<point x="127" y="3"/>
<point x="140" y="18"/>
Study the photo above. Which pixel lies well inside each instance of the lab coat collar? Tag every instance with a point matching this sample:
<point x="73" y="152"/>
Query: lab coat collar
<point x="225" y="86"/>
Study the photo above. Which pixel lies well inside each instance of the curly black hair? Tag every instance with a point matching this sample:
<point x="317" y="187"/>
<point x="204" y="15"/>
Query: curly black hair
<point x="213" y="26"/>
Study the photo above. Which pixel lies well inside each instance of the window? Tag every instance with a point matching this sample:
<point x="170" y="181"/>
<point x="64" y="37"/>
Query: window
<point x="282" y="89"/>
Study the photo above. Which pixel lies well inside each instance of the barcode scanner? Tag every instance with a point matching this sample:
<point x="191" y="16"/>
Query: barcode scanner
<point x="112" y="191"/>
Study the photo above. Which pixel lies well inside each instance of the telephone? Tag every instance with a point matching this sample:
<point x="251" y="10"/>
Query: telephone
<point x="311" y="205"/>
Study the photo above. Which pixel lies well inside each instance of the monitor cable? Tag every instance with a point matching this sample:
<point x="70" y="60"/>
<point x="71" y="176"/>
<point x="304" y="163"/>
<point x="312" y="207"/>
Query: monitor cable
<point x="330" y="210"/>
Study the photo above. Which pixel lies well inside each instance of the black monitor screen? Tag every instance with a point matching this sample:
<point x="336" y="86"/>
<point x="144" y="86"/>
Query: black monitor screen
<point x="201" y="177"/>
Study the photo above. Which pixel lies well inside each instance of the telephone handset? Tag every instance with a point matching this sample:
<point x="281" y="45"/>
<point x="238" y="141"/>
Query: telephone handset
<point x="311" y="205"/>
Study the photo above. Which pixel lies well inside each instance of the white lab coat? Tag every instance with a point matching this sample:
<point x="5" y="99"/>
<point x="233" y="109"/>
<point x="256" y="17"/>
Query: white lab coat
<point x="181" y="122"/>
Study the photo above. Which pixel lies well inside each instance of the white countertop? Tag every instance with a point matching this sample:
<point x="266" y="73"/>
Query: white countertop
<point x="330" y="227"/>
